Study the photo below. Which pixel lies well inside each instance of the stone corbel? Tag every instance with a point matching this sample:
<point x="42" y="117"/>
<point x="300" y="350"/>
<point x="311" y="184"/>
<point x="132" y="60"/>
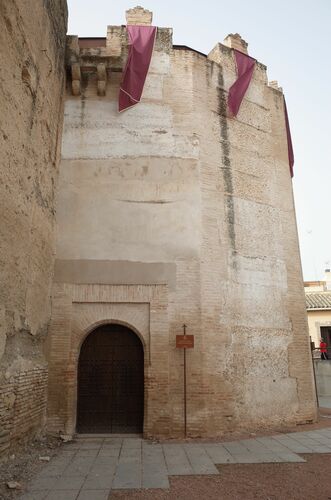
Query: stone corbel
<point x="102" y="79"/>
<point x="76" y="79"/>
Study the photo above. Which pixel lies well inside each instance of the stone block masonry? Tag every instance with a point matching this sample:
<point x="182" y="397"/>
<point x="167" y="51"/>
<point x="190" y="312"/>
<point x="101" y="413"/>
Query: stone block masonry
<point x="32" y="53"/>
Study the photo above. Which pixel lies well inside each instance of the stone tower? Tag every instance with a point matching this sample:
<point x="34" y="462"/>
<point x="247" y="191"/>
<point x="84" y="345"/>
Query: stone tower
<point x="170" y="213"/>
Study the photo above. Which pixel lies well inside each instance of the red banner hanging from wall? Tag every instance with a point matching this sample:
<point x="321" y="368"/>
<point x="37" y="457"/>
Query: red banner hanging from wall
<point x="141" y="44"/>
<point x="289" y="140"/>
<point x="245" y="68"/>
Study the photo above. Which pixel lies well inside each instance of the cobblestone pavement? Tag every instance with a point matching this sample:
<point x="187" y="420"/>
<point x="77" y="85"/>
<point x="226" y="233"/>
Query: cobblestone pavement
<point x="89" y="468"/>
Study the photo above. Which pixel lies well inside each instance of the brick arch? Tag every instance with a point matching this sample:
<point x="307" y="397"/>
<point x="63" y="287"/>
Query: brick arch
<point x="102" y="322"/>
<point x="76" y="311"/>
<point x="86" y="318"/>
<point x="126" y="359"/>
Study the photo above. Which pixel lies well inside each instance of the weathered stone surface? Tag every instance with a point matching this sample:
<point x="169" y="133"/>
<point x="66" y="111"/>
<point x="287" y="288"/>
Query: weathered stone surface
<point x="175" y="186"/>
<point x="234" y="41"/>
<point x="32" y="43"/>
<point x="139" y="15"/>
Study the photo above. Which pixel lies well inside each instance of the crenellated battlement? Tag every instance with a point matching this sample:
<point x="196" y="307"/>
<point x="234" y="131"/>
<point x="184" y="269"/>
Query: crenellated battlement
<point x="110" y="53"/>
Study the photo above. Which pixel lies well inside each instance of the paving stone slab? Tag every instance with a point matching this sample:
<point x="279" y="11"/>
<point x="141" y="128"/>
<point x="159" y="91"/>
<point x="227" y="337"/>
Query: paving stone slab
<point x="153" y="455"/>
<point x="176" y="460"/>
<point x="290" y="457"/>
<point x="292" y="444"/>
<point x="116" y="441"/>
<point x="313" y="445"/>
<point x="128" y="475"/>
<point x="235" y="448"/>
<point x="94" y="495"/>
<point x="248" y="458"/>
<point x="93" y="445"/>
<point x="326" y="441"/>
<point x="326" y="431"/>
<point x="36" y="495"/>
<point x="312" y="434"/>
<point x="111" y="446"/>
<point x="52" y="471"/>
<point x="63" y="458"/>
<point x="157" y="469"/>
<point x="260" y="452"/>
<point x="99" y="481"/>
<point x="104" y="460"/>
<point x="199" y="460"/>
<point x="219" y="454"/>
<point x="68" y="483"/>
<point x="152" y="448"/>
<point x="318" y="436"/>
<point x="109" y="452"/>
<point x="62" y="495"/>
<point x="103" y="467"/>
<point x="273" y="445"/>
<point x="150" y="481"/>
<point x="89" y="452"/>
<point x="79" y="467"/>
<point x="133" y="453"/>
<point x="42" y="483"/>
<point x="240" y="453"/>
<point x="132" y="443"/>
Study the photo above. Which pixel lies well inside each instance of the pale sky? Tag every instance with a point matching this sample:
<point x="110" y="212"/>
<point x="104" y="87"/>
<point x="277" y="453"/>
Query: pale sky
<point x="292" y="37"/>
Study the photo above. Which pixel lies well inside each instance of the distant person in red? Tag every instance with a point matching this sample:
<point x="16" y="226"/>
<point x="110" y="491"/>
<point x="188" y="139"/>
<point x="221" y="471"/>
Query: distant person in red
<point x="323" y="349"/>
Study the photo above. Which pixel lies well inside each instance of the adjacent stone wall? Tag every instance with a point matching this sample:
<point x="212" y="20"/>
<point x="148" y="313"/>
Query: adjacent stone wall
<point x="32" y="45"/>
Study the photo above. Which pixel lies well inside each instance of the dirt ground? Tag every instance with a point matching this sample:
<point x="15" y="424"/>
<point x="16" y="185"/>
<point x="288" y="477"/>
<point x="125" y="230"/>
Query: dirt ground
<point x="297" y="481"/>
<point x="24" y="463"/>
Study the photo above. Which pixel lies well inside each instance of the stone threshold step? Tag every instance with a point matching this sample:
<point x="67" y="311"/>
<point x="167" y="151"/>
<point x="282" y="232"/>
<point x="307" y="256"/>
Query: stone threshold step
<point x="96" y="436"/>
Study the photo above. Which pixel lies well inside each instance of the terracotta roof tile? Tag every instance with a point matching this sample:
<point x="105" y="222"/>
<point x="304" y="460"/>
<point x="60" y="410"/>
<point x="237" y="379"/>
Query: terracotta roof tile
<point x="318" y="300"/>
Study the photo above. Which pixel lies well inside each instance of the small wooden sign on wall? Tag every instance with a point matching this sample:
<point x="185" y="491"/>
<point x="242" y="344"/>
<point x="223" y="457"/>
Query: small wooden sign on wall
<point x="184" y="341"/>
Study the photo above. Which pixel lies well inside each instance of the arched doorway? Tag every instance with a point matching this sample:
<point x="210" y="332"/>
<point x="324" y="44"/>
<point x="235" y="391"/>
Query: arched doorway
<point x="111" y="382"/>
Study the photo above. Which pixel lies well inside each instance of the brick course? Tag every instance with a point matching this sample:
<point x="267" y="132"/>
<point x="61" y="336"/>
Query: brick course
<point x="23" y="406"/>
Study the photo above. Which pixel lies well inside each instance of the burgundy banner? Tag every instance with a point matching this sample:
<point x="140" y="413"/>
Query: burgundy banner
<point x="141" y="44"/>
<point x="289" y="140"/>
<point x="245" y="68"/>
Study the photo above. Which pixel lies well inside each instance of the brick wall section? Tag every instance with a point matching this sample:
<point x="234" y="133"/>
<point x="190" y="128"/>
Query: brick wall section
<point x="175" y="181"/>
<point x="30" y="402"/>
<point x="32" y="46"/>
<point x="7" y="402"/>
<point x="77" y="310"/>
<point x="23" y="406"/>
